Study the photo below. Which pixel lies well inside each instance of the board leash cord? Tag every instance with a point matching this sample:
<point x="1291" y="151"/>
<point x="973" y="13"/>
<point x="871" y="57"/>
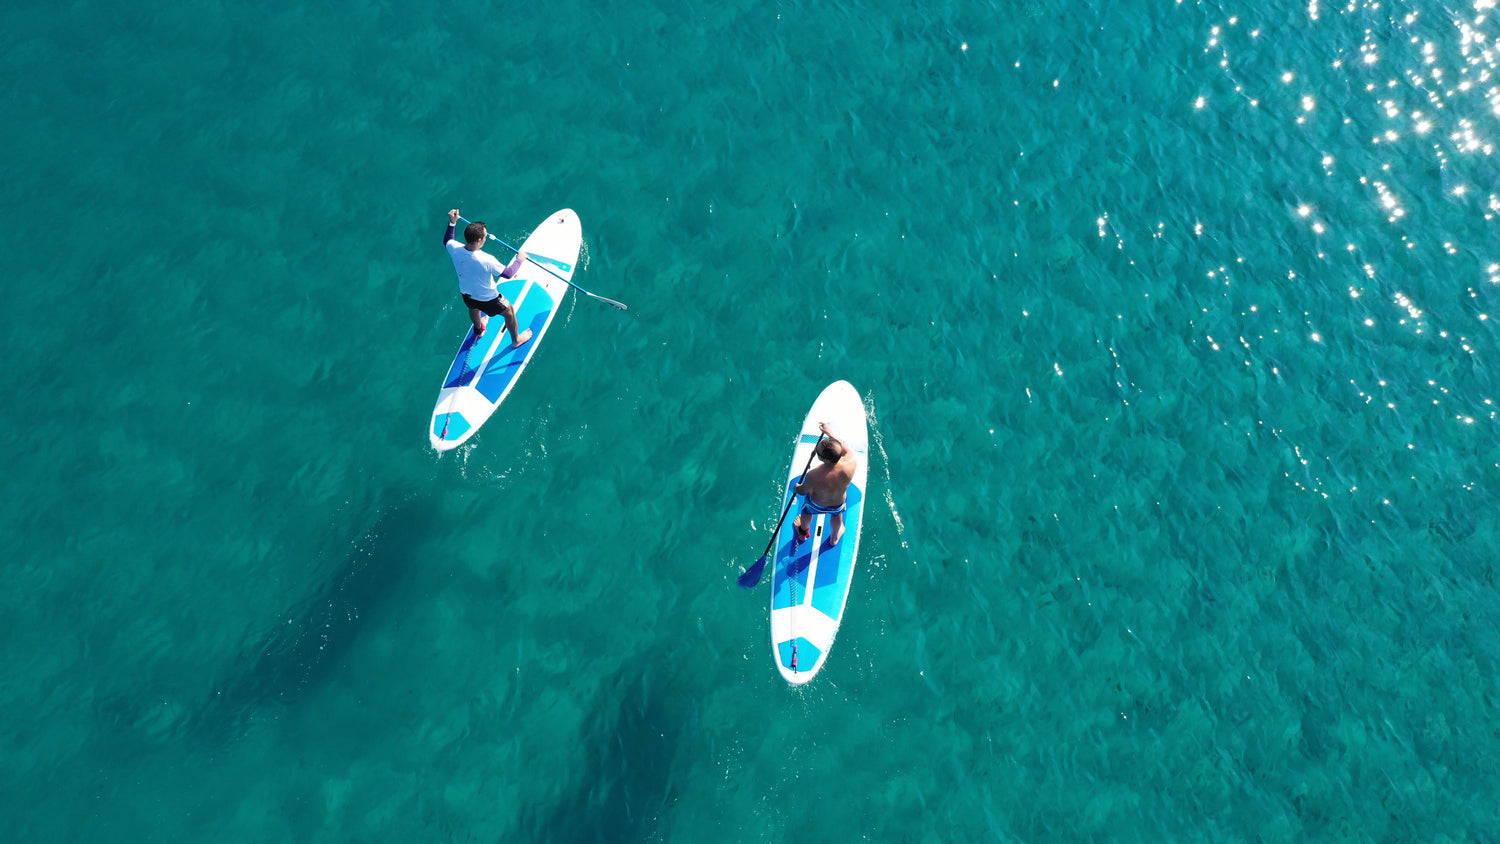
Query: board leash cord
<point x="791" y="560"/>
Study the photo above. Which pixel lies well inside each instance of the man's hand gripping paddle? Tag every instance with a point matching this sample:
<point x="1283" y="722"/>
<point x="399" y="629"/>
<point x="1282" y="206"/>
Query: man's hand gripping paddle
<point x="751" y="576"/>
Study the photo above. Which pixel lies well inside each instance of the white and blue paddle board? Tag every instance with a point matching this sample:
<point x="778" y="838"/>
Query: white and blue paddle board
<point x="810" y="579"/>
<point x="485" y="368"/>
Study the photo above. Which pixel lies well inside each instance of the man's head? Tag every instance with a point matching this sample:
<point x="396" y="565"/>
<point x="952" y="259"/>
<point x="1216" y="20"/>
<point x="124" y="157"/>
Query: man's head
<point x="475" y="234"/>
<point x="829" y="451"/>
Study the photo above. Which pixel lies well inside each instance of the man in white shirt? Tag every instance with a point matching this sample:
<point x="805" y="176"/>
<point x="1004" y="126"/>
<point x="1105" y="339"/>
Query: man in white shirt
<point x="477" y="270"/>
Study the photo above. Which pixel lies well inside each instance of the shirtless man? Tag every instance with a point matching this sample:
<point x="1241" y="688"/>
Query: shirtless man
<point x="477" y="270"/>
<point x="825" y="486"/>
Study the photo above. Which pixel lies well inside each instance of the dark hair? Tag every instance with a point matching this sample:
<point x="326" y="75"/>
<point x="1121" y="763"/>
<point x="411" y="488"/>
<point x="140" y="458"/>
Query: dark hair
<point x="475" y="232"/>
<point x="830" y="450"/>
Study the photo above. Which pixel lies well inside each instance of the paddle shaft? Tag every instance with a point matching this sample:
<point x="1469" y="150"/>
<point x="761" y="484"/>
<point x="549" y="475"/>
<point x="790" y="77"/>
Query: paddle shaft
<point x="606" y="301"/>
<point x="789" y="501"/>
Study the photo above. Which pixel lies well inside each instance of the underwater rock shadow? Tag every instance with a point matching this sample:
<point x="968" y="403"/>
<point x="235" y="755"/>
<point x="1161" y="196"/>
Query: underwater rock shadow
<point x="306" y="646"/>
<point x="626" y="784"/>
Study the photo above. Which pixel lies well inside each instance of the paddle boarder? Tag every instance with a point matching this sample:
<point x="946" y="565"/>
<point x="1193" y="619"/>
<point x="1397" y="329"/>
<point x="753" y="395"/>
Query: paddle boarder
<point x="477" y="270"/>
<point x="826" y="485"/>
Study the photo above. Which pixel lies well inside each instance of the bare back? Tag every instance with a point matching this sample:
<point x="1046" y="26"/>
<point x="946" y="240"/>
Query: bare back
<point x="827" y="484"/>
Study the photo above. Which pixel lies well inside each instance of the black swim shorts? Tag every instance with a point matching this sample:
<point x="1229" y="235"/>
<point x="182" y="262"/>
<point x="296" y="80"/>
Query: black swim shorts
<point x="493" y="307"/>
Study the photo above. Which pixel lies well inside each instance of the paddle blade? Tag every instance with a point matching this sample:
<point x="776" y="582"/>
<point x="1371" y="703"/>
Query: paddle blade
<point x="751" y="576"/>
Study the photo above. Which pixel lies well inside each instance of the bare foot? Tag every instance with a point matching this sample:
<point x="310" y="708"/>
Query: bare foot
<point x="521" y="341"/>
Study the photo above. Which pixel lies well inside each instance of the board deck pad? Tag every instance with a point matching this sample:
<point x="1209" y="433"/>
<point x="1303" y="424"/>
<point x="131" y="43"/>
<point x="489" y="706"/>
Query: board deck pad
<point x="810" y="581"/>
<point x="486" y="368"/>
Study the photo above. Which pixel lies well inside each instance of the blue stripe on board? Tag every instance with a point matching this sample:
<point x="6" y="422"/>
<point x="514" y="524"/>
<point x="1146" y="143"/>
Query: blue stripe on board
<point x="807" y="654"/>
<point x="836" y="564"/>
<point x="790" y="571"/>
<point x="507" y="362"/>
<point x="543" y="259"/>
<point x="785" y="570"/>
<point x="470" y="352"/>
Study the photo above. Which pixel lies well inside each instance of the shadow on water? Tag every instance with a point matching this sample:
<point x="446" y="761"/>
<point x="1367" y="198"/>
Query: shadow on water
<point x="627" y="784"/>
<point x="306" y="646"/>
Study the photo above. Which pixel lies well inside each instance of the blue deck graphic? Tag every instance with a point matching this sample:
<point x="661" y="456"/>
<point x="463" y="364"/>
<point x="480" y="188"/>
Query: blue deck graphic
<point x="472" y="349"/>
<point x="454" y="423"/>
<point x="807" y="653"/>
<point x="543" y="259"/>
<point x="835" y="564"/>
<point x="507" y="361"/>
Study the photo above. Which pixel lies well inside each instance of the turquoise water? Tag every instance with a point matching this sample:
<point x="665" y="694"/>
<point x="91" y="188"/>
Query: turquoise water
<point x="1174" y="321"/>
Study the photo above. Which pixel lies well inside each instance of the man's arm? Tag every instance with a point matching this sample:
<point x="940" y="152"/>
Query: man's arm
<point x="514" y="266"/>
<point x="828" y="434"/>
<point x="452" y="221"/>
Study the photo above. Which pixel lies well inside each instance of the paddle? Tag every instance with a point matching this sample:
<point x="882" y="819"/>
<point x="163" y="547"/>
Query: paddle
<point x="553" y="274"/>
<point x="751" y="576"/>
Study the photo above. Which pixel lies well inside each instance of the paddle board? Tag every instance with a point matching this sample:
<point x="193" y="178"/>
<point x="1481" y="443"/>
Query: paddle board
<point x="485" y="368"/>
<point x="810" y="581"/>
